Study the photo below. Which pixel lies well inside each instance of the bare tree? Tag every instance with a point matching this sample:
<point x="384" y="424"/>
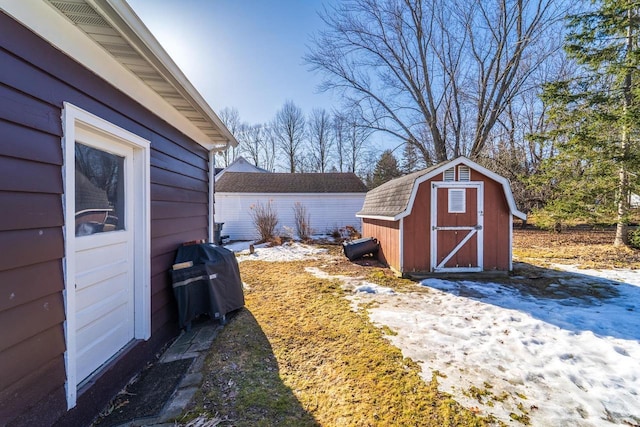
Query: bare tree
<point x="438" y="73"/>
<point x="289" y="130"/>
<point x="252" y="137"/>
<point x="320" y="139"/>
<point x="340" y="139"/>
<point x="350" y="137"/>
<point x="231" y="119"/>
<point x="270" y="148"/>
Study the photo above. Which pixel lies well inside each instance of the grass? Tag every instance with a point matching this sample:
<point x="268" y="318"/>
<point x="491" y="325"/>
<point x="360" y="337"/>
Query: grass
<point x="298" y="356"/>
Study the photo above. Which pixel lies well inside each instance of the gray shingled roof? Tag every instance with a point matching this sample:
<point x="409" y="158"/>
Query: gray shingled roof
<point x="250" y="182"/>
<point x="392" y="197"/>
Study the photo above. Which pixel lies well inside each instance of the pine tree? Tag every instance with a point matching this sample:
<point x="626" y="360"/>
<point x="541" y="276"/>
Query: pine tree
<point x="386" y="169"/>
<point x="410" y="160"/>
<point x="596" y="116"/>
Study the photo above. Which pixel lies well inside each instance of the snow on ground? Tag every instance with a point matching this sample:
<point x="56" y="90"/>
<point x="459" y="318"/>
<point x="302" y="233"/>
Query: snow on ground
<point x="569" y="356"/>
<point x="286" y="252"/>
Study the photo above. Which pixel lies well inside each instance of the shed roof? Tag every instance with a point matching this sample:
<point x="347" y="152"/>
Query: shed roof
<point x="251" y="182"/>
<point x="394" y="199"/>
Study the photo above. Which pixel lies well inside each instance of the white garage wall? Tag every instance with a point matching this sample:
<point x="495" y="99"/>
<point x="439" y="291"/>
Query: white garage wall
<point x="328" y="211"/>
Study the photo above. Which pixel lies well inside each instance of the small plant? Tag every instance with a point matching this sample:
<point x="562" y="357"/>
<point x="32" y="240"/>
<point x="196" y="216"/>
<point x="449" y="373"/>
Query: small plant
<point x="265" y="218"/>
<point x="302" y="220"/>
<point x="634" y="238"/>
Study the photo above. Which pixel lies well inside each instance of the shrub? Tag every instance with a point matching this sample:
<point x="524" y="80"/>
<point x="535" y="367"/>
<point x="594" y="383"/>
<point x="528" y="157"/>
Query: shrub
<point x="265" y="219"/>
<point x="634" y="238"/>
<point x="302" y="220"/>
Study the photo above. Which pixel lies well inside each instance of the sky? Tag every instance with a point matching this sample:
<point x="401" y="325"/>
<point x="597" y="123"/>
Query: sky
<point x="565" y="354"/>
<point x="246" y="54"/>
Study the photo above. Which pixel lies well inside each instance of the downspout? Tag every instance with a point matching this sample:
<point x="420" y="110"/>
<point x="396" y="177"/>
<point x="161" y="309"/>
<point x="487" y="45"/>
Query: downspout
<point x="212" y="189"/>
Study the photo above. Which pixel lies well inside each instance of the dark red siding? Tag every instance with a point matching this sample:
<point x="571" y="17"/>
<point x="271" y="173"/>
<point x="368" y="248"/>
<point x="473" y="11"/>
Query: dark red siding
<point x="35" y="80"/>
<point x="496" y="227"/>
<point x="388" y="235"/>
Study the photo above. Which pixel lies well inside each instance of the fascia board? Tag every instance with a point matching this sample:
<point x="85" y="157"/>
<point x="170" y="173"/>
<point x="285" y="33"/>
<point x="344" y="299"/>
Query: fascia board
<point x="484" y="171"/>
<point x="381" y="217"/>
<point x="238" y="194"/>
<point x="41" y="18"/>
<point x="137" y="33"/>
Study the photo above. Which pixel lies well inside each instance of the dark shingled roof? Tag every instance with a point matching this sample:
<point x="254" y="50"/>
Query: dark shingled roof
<point x="392" y="197"/>
<point x="251" y="182"/>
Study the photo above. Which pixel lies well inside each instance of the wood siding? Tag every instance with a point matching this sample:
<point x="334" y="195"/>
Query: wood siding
<point x="417" y="232"/>
<point x="388" y="235"/>
<point x="328" y="212"/>
<point x="35" y="80"/>
<point x="496" y="227"/>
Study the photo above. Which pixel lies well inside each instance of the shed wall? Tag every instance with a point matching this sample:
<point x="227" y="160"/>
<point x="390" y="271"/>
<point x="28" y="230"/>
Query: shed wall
<point x="417" y="231"/>
<point x="496" y="227"/>
<point x="327" y="211"/>
<point x="388" y="235"/>
<point x="35" y="79"/>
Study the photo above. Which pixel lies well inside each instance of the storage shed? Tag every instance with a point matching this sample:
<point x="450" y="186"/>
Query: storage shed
<point x="106" y="167"/>
<point x="453" y="217"/>
<point x="330" y="199"/>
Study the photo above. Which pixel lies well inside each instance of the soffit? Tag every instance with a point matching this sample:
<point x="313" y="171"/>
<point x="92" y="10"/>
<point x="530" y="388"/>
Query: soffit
<point x="114" y="26"/>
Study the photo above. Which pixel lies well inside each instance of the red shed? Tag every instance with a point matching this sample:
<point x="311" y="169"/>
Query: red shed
<point x="452" y="217"/>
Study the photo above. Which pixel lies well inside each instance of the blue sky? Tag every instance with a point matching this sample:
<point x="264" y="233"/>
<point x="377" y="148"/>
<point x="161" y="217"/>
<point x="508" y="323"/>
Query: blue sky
<point x="241" y="53"/>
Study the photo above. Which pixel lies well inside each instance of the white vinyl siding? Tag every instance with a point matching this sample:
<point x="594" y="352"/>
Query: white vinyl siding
<point x="327" y="211"/>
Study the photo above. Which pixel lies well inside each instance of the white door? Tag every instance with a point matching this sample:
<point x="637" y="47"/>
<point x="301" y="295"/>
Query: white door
<point x="457" y="216"/>
<point x="104" y="250"/>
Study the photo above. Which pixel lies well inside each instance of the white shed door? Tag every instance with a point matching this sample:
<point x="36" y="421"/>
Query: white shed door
<point x="104" y="276"/>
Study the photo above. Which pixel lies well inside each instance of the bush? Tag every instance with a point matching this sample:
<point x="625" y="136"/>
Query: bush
<point x="302" y="220"/>
<point x="265" y="218"/>
<point x="634" y="238"/>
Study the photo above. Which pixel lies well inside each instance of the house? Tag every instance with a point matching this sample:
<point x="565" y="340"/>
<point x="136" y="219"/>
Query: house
<point x="240" y="165"/>
<point x="452" y="217"/>
<point x="330" y="199"/>
<point x="106" y="167"/>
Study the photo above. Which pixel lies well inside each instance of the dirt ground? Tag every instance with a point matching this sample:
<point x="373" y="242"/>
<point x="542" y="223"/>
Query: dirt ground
<point x="589" y="248"/>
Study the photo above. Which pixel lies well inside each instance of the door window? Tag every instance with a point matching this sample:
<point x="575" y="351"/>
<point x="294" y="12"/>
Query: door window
<point x="99" y="191"/>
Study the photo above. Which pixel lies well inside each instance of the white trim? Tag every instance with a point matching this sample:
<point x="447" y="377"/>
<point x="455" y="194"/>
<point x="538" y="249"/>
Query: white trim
<point x="401" y="243"/>
<point x="460" y="160"/>
<point x="384" y="218"/>
<point x="455" y="250"/>
<point x="477" y="230"/>
<point x="41" y="18"/>
<point x="73" y="117"/>
<point x="212" y="194"/>
<point x="233" y="194"/>
<point x="510" y="245"/>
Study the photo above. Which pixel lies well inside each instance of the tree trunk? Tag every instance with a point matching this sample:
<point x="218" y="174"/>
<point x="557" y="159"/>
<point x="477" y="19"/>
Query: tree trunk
<point x="622" y="237"/>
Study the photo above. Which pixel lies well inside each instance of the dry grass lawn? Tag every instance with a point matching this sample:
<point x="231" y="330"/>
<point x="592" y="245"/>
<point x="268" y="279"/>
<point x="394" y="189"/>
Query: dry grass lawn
<point x="297" y="355"/>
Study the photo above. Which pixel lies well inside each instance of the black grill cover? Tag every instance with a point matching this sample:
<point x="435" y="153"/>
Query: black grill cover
<point x="212" y="286"/>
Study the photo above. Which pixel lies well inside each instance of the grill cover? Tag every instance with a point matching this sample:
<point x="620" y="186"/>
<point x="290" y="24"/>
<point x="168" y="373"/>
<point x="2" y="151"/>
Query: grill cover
<point x="211" y="286"/>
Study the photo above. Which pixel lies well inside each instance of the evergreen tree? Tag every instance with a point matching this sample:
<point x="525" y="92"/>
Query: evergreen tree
<point x="386" y="169"/>
<point x="596" y="117"/>
<point x="410" y="160"/>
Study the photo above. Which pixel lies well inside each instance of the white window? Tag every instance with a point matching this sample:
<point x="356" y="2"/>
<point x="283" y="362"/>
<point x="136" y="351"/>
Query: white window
<point x="450" y="174"/>
<point x="464" y="173"/>
<point x="457" y="200"/>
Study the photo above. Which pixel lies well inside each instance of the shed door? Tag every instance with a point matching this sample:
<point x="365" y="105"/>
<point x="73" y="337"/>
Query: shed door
<point x="104" y="276"/>
<point x="456" y="226"/>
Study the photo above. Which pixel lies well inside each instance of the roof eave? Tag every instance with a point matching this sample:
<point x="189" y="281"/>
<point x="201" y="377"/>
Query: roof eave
<point x="131" y="27"/>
